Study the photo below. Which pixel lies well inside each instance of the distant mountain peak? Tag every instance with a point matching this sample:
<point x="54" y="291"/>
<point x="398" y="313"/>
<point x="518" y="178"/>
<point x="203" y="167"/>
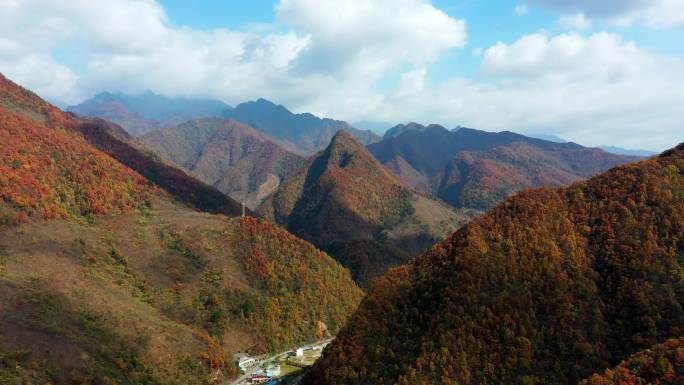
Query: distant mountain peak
<point x="399" y="129"/>
<point x="265" y="101"/>
<point x="303" y="133"/>
<point x="104" y="95"/>
<point x="261" y="103"/>
<point x="145" y="112"/>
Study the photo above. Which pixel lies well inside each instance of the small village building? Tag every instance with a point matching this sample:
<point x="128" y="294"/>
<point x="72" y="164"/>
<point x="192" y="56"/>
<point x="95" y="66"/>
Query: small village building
<point x="299" y="352"/>
<point x="259" y="379"/>
<point x="244" y="361"/>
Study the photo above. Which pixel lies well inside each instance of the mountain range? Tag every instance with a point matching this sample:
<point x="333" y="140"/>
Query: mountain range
<point x="304" y="134"/>
<point x="552" y="286"/>
<point x="350" y="211"/>
<point x="140" y="114"/>
<point x="488" y="258"/>
<point x="117" y="268"/>
<point x="476" y="169"/>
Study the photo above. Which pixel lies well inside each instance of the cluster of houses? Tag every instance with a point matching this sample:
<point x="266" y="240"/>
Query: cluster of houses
<point x="269" y="372"/>
<point x="264" y="375"/>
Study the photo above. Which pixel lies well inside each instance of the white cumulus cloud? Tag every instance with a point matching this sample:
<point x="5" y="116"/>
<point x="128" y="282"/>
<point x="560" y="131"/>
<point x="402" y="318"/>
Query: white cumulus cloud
<point x="327" y="48"/>
<point x="334" y="57"/>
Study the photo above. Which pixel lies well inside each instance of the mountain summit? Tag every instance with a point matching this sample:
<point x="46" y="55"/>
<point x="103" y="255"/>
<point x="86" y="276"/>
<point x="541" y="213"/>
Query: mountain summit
<point x="347" y="203"/>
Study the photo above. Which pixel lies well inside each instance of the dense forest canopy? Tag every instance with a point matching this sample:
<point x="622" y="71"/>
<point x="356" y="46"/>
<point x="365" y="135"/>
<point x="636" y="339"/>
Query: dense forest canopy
<point x="547" y="288"/>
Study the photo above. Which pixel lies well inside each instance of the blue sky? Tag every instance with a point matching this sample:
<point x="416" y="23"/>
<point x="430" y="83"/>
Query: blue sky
<point x="607" y="72"/>
<point x="488" y="23"/>
<point x="211" y="14"/>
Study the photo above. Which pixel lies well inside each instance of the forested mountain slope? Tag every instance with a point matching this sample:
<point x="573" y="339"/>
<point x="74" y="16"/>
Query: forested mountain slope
<point x="235" y="158"/>
<point x="346" y="202"/>
<point x="549" y="287"/>
<point x="662" y="364"/>
<point x="107" y="278"/>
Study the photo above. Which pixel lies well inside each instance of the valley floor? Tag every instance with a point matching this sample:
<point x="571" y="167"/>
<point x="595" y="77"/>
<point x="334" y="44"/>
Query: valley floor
<point x="290" y="365"/>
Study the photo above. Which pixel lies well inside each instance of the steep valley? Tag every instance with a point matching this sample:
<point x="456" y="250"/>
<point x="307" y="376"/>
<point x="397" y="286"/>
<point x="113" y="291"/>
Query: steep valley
<point x="117" y="268"/>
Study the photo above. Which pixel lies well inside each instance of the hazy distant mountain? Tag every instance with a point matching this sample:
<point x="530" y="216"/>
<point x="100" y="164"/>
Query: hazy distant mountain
<point x="347" y="203"/>
<point x="549" y="138"/>
<point x="301" y="133"/>
<point x="477" y="169"/>
<point x="625" y="151"/>
<point x="377" y="127"/>
<point x="140" y="114"/>
<point x="235" y="158"/>
<point x="550" y="287"/>
<point x="610" y="149"/>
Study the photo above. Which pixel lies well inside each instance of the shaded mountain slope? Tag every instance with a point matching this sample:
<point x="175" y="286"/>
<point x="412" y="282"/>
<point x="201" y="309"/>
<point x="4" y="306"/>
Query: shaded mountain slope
<point x="345" y="196"/>
<point x="477" y="169"/>
<point x="140" y="114"/>
<point x="105" y="278"/>
<point x="234" y="158"/>
<point x="304" y="134"/>
<point x="547" y="288"/>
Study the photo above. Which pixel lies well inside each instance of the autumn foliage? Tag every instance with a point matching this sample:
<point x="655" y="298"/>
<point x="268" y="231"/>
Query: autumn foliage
<point x="297" y="285"/>
<point x="660" y="365"/>
<point x="163" y="294"/>
<point x="55" y="165"/>
<point x="548" y="288"/>
<point x="51" y="172"/>
<point x="112" y="140"/>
